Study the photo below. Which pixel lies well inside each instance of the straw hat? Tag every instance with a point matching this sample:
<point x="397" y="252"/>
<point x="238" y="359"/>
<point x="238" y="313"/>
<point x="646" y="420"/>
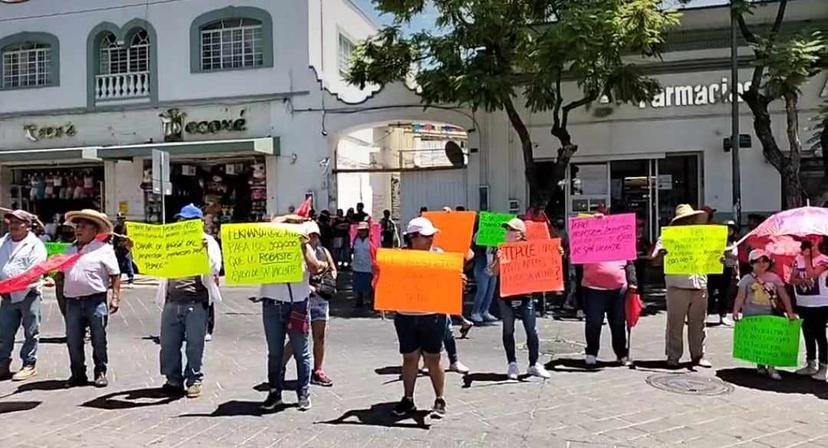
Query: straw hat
<point x="684" y="211"/>
<point x="100" y="219"/>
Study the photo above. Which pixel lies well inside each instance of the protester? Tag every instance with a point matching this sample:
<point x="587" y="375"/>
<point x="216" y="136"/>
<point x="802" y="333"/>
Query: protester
<point x="85" y="286"/>
<point x="810" y="281"/>
<point x="360" y="215"/>
<point x="388" y="229"/>
<point x="721" y="288"/>
<point x="186" y="303"/>
<point x="325" y="230"/>
<point x="421" y="335"/>
<point x="361" y="265"/>
<point x="67" y="235"/>
<point x="518" y="306"/>
<point x="760" y="294"/>
<point x="122" y="252"/>
<point x="486" y="285"/>
<point x="20" y="250"/>
<point x="319" y="309"/>
<point x="686" y="300"/>
<point x="285" y="314"/>
<point x="341" y="228"/>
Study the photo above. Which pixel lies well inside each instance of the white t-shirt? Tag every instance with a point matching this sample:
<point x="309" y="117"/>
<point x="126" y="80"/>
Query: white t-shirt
<point x="90" y="274"/>
<point x="815" y="295"/>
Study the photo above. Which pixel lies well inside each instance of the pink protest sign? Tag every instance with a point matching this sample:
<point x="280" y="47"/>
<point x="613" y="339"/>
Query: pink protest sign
<point x="604" y="238"/>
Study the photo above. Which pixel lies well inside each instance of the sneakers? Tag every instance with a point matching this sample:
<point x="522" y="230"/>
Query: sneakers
<point x="487" y="317"/>
<point x="208" y="337"/>
<point x="512" y="371"/>
<point x="405" y="407"/>
<point x="591" y="360"/>
<point x="539" y="371"/>
<point x="320" y="378"/>
<point x="773" y="374"/>
<point x="625" y="361"/>
<point x="25" y="373"/>
<point x="820" y="374"/>
<point x="458" y="367"/>
<point x="725" y="321"/>
<point x="701" y="362"/>
<point x="194" y="391"/>
<point x="100" y="379"/>
<point x="273" y="400"/>
<point x="172" y="389"/>
<point x="304" y="403"/>
<point x="476" y="318"/>
<point x="439" y="409"/>
<point x="465" y="328"/>
<point x="809" y="369"/>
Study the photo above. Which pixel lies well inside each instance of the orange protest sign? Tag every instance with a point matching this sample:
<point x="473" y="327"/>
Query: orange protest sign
<point x="419" y="281"/>
<point x="530" y="266"/>
<point x="536" y="231"/>
<point x="456" y="230"/>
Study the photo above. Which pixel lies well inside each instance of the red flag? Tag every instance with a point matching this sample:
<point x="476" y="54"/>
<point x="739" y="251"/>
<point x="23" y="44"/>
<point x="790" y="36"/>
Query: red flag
<point x="633" y="307"/>
<point x="305" y="208"/>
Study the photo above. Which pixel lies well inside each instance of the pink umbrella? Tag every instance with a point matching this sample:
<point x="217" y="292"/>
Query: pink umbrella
<point x="801" y="222"/>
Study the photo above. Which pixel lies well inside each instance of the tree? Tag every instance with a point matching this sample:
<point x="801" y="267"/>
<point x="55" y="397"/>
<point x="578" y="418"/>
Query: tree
<point x="495" y="54"/>
<point x="782" y="65"/>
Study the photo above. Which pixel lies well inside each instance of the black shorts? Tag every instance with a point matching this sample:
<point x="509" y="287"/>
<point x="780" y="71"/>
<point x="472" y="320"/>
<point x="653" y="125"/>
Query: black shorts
<point x="420" y="332"/>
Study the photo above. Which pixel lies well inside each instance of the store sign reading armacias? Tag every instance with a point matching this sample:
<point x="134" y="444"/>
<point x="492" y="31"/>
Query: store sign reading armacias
<point x="695" y="95"/>
<point x="174" y="125"/>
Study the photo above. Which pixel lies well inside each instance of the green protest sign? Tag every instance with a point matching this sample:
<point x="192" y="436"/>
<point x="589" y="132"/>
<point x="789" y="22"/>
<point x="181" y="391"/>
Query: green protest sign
<point x="490" y="231"/>
<point x="56" y="248"/>
<point x="769" y="340"/>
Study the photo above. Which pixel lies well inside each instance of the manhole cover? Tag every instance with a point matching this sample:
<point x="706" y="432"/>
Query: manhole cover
<point x="560" y="347"/>
<point x="687" y="384"/>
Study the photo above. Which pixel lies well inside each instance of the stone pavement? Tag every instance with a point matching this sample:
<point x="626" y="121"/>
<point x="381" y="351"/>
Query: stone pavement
<point x="612" y="406"/>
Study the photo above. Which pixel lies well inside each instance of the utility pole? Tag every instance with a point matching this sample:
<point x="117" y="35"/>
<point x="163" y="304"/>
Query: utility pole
<point x="734" y="117"/>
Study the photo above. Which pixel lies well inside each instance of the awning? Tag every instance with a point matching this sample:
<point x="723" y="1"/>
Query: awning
<point x="250" y="146"/>
<point x="51" y="155"/>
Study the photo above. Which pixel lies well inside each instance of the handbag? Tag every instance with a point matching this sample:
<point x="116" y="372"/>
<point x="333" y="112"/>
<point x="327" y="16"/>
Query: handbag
<point x="324" y="284"/>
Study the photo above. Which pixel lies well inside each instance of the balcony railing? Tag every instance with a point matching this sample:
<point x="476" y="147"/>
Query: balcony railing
<point x="122" y="86"/>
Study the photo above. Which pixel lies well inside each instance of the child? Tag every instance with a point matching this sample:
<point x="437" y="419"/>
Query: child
<point x="760" y="293"/>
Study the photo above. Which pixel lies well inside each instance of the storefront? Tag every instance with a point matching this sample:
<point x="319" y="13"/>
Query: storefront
<point x="48" y="190"/>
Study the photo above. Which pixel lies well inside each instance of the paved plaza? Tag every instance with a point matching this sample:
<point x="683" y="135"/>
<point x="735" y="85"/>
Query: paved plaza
<point x="649" y="406"/>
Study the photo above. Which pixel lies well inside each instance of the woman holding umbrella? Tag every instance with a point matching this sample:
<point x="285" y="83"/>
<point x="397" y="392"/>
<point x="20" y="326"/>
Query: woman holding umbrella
<point x="811" y="289"/>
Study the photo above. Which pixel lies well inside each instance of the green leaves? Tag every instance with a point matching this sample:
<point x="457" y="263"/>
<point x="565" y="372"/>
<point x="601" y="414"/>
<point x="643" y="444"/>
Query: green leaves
<point x="792" y="62"/>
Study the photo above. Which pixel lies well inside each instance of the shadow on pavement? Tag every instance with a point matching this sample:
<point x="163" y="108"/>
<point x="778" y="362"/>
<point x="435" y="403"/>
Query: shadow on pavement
<point x="289" y="385"/>
<point x="155" y="339"/>
<point x="46" y="385"/>
<point x="380" y="415"/>
<point x="389" y="370"/>
<point x="17" y="406"/>
<point x="790" y="384"/>
<point x="238" y="408"/>
<point x="494" y="378"/>
<point x="53" y="340"/>
<point x="660" y="364"/>
<point x="577" y="365"/>
<point x="130" y="399"/>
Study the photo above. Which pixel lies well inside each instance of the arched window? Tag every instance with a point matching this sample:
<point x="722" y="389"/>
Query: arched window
<point x="27" y="64"/>
<point x="120" y="58"/>
<point x="232" y="43"/>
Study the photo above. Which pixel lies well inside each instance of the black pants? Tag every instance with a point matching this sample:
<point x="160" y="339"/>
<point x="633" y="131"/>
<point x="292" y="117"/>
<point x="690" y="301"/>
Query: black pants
<point x="721" y="291"/>
<point x="211" y="318"/>
<point x="813" y="330"/>
<point x="597" y="303"/>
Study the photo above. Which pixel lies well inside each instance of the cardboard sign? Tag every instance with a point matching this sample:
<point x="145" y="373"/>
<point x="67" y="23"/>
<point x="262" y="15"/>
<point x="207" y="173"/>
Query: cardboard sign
<point x="419" y="281"/>
<point x="530" y="266"/>
<point x="769" y="340"/>
<point x="56" y="248"/>
<point x="170" y="250"/>
<point x="456" y="229"/>
<point x="261" y="253"/>
<point x="490" y="231"/>
<point x="694" y="249"/>
<point x="537" y="231"/>
<point x="605" y="238"/>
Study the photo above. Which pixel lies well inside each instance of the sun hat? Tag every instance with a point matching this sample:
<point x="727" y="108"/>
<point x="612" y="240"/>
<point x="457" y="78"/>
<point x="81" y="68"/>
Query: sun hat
<point x="22" y="215"/>
<point x="421" y="226"/>
<point x="756" y="254"/>
<point x="363" y="225"/>
<point x="684" y="211"/>
<point x="515" y="224"/>
<point x="190" y="211"/>
<point x="100" y="219"/>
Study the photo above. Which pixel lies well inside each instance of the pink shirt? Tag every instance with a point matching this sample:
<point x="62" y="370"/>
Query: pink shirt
<point x="608" y="275"/>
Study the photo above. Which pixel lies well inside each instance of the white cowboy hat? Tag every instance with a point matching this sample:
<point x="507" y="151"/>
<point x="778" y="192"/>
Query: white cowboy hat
<point x="684" y="211"/>
<point x="100" y="219"/>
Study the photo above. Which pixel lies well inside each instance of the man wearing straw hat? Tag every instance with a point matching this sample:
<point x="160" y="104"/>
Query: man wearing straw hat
<point x="85" y="287"/>
<point x="20" y="249"/>
<point x="686" y="300"/>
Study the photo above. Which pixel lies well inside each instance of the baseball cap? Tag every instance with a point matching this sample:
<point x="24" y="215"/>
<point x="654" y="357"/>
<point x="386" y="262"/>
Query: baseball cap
<point x="756" y="254"/>
<point x="22" y="215"/>
<point x="190" y="211"/>
<point x="312" y="227"/>
<point x="421" y="226"/>
<point x="516" y="224"/>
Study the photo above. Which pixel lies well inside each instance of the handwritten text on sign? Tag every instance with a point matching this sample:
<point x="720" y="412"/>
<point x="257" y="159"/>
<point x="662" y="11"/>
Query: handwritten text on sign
<point x="530" y="266"/>
<point x="606" y="238"/>
<point x="769" y="340"/>
<point x="694" y="249"/>
<point x="419" y="281"/>
<point x="490" y="232"/>
<point x="170" y="250"/>
<point x="261" y="253"/>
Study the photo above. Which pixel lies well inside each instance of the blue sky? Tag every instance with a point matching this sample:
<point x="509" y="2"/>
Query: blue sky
<point x="426" y="20"/>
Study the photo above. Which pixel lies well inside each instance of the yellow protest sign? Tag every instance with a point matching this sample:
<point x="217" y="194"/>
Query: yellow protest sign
<point x="694" y="249"/>
<point x="260" y="253"/>
<point x="170" y="250"/>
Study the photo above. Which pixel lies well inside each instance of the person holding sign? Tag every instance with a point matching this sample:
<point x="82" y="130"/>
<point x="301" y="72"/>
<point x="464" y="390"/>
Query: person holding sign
<point x="85" y="287"/>
<point x="810" y="281"/>
<point x="762" y="293"/>
<point x="511" y="307"/>
<point x="184" y="317"/>
<point x="20" y="250"/>
<point x="285" y="314"/>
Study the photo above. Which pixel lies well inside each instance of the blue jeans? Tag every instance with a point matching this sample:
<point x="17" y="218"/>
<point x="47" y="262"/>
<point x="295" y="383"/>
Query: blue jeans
<point x="125" y="264"/>
<point x="180" y="322"/>
<point x="275" y="316"/>
<point x="93" y="312"/>
<point x="449" y="342"/>
<point x="486" y="286"/>
<point x="525" y="308"/>
<point x="12" y="315"/>
<point x="597" y="303"/>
